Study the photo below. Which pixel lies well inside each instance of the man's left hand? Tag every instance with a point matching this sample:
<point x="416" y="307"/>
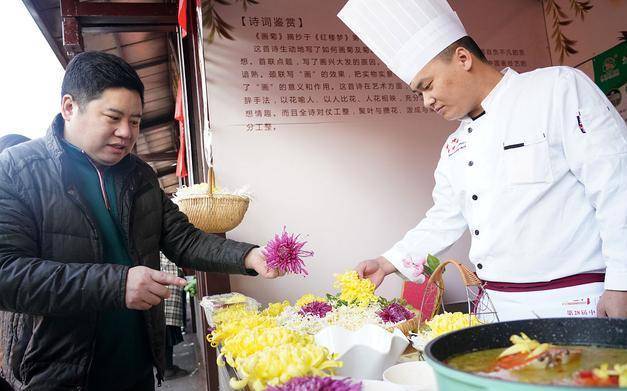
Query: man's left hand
<point x="257" y="261"/>
<point x="613" y="304"/>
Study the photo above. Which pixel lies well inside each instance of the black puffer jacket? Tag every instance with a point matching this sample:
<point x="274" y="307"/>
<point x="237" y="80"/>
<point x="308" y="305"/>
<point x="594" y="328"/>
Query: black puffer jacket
<point x="52" y="280"/>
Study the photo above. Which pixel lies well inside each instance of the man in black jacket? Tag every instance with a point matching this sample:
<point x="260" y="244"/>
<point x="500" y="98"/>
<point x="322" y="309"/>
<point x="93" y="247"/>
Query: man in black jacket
<point x="82" y="221"/>
<point x="8" y="141"/>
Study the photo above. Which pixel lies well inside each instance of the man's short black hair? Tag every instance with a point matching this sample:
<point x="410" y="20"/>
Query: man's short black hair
<point x="466" y="42"/>
<point x="89" y="74"/>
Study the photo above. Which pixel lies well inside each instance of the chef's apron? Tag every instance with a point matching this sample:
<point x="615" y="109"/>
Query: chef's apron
<point x="573" y="296"/>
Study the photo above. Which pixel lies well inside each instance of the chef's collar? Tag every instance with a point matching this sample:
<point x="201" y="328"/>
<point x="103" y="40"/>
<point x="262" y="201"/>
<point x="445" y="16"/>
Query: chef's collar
<point x="486" y="103"/>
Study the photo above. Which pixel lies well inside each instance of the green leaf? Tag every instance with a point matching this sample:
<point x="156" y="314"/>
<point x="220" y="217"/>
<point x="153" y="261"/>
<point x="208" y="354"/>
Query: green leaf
<point x="191" y="287"/>
<point x="400" y="300"/>
<point x="432" y="263"/>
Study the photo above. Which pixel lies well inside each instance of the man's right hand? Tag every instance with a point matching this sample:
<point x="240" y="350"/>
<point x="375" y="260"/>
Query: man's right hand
<point x="146" y="287"/>
<point x="375" y="269"/>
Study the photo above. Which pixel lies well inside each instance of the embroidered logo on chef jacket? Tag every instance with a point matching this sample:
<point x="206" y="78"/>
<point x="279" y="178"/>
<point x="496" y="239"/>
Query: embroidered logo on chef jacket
<point x="580" y="301"/>
<point x="580" y="123"/>
<point x="454" y="146"/>
<point x="581" y="307"/>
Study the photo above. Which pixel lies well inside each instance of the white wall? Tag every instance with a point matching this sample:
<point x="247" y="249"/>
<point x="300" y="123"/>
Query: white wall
<point x="354" y="185"/>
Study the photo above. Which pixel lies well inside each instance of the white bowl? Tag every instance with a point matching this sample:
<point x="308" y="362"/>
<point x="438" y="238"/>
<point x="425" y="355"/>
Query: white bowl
<point x="411" y="376"/>
<point x="367" y="352"/>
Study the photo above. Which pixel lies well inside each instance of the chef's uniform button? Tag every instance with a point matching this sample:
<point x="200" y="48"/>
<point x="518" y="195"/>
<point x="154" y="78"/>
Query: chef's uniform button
<point x="477" y="232"/>
<point x="469" y="130"/>
<point x="475" y="197"/>
<point x="479" y="266"/>
<point x="471" y="163"/>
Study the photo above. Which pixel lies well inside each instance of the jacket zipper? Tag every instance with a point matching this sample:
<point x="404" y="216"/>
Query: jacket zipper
<point x="103" y="190"/>
<point x="73" y="196"/>
<point x="135" y="192"/>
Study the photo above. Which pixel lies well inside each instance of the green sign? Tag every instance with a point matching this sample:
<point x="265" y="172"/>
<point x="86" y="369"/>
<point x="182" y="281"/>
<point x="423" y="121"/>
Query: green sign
<point x="610" y="68"/>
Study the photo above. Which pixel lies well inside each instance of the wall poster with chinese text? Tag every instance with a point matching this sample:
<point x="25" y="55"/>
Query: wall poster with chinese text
<point x="331" y="143"/>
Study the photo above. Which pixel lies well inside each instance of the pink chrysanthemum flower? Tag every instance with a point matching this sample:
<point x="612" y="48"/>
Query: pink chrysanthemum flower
<point x="285" y="253"/>
<point x="395" y="313"/>
<point x="317" y="308"/>
<point x="315" y="383"/>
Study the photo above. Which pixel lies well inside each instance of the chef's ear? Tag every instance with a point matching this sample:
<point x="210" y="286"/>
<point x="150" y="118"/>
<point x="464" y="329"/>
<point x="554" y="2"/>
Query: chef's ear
<point x="463" y="58"/>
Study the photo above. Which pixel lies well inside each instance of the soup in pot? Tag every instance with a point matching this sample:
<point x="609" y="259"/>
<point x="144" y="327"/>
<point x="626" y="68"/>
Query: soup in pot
<point x="529" y="361"/>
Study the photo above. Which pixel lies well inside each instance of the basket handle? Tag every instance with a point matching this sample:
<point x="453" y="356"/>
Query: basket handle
<point x="212" y="180"/>
<point x="469" y="278"/>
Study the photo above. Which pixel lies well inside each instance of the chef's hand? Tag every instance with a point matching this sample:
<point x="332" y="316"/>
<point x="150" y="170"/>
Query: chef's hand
<point x="375" y="269"/>
<point x="146" y="287"/>
<point x="256" y="261"/>
<point x="613" y="304"/>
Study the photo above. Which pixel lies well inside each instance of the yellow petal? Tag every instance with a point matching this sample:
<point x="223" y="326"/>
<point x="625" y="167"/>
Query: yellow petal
<point x="238" y="384"/>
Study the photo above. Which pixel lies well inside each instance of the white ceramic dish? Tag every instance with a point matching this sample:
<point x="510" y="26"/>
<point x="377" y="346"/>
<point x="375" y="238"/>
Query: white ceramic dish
<point x="411" y="376"/>
<point x="367" y="352"/>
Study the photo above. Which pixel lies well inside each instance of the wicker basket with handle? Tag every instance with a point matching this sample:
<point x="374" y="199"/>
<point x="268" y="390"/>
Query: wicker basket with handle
<point x="469" y="279"/>
<point x="214" y="213"/>
<point x="407" y="327"/>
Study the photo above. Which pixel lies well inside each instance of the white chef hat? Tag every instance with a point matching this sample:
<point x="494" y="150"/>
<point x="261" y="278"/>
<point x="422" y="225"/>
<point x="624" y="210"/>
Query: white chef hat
<point x="404" y="34"/>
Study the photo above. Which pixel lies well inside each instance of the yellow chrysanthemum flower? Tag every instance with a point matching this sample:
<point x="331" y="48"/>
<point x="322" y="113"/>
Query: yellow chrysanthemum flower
<point x="449" y="321"/>
<point x="354" y="289"/>
<point x="275" y="309"/>
<point x="227" y="330"/>
<point x="231" y="312"/>
<point x="276" y="365"/>
<point x="249" y="341"/>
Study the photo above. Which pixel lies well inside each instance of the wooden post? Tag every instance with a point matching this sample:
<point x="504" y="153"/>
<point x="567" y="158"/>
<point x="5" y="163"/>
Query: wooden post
<point x="209" y="284"/>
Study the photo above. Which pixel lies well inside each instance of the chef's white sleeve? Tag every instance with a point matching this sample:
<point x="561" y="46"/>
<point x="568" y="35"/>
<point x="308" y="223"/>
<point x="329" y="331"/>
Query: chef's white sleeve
<point x="441" y="227"/>
<point x="595" y="144"/>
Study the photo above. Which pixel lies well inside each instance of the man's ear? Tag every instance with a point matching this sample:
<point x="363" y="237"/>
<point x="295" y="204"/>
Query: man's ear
<point x="463" y="57"/>
<point x="69" y="107"/>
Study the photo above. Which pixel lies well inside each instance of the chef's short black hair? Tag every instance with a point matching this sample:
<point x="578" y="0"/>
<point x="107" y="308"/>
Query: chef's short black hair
<point x="466" y="42"/>
<point x="89" y="74"/>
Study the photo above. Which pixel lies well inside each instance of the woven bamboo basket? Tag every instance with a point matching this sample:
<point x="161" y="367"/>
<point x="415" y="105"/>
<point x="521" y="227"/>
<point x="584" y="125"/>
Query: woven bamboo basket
<point x="407" y="327"/>
<point x="214" y="213"/>
<point x="436" y="281"/>
<point x="435" y="286"/>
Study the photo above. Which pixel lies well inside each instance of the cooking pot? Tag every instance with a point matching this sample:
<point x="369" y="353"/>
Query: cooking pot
<point x="601" y="332"/>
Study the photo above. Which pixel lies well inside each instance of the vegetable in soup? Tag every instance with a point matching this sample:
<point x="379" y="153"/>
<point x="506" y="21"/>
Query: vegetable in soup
<point x="529" y="361"/>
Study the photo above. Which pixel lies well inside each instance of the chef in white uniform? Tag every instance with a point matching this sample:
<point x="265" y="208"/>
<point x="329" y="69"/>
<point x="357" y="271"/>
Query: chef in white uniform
<point x="536" y="170"/>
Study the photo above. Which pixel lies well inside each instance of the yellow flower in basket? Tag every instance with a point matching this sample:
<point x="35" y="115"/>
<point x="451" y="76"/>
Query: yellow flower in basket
<point x="278" y="364"/>
<point x="249" y="341"/>
<point x="449" y="321"/>
<point x="275" y="309"/>
<point x="229" y="329"/>
<point x="231" y="312"/>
